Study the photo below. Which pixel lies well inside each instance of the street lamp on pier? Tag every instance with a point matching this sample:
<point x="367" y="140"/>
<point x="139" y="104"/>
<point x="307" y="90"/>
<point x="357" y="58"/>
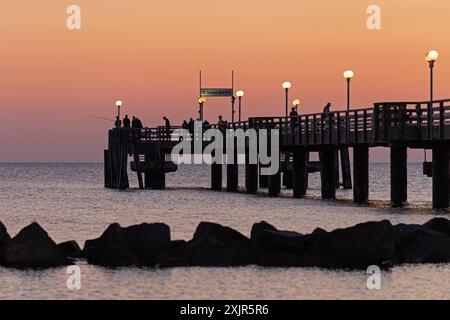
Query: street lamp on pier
<point x="240" y="94"/>
<point x="118" y="105"/>
<point x="201" y="102"/>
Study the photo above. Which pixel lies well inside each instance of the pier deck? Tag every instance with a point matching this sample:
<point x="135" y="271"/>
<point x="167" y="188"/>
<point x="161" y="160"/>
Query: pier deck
<point x="397" y="125"/>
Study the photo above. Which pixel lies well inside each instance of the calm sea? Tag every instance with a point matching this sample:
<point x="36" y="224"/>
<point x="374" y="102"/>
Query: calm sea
<point x="69" y="201"/>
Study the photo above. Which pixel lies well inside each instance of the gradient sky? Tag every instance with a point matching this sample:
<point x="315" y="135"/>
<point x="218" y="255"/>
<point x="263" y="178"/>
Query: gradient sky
<point x="148" y="53"/>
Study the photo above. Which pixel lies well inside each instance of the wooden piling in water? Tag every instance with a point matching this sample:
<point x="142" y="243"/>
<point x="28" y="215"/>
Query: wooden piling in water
<point x="345" y="167"/>
<point x="300" y="173"/>
<point x="263" y="179"/>
<point x="216" y="177"/>
<point x="157" y="179"/>
<point x="119" y="142"/>
<point x="399" y="179"/>
<point x="441" y="176"/>
<point x="328" y="172"/>
<point x="251" y="172"/>
<point x="361" y="174"/>
<point x="233" y="174"/>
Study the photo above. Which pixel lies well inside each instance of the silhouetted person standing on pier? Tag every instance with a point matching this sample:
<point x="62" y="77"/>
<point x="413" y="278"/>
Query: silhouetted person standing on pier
<point x="191" y="126"/>
<point x="326" y="109"/>
<point x="294" y="117"/>
<point x="185" y="125"/>
<point x="221" y="124"/>
<point x="126" y="122"/>
<point x="168" y="127"/>
<point x="118" y="123"/>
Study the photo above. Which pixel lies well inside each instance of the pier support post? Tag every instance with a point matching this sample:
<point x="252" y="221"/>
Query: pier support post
<point x="107" y="168"/>
<point x="232" y="177"/>
<point x="263" y="180"/>
<point x="251" y="171"/>
<point x="157" y="179"/>
<point x="361" y="174"/>
<point x="345" y="166"/>
<point x="441" y="176"/>
<point x="328" y="172"/>
<point x="399" y="179"/>
<point x="299" y="173"/>
<point x="118" y="155"/>
<point x="275" y="184"/>
<point x="216" y="176"/>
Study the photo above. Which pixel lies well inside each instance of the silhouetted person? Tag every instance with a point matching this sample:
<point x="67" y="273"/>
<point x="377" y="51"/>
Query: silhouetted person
<point x="185" y="125"/>
<point x="221" y="123"/>
<point x="294" y="117"/>
<point x="139" y="123"/>
<point x="191" y="126"/>
<point x="326" y="109"/>
<point x="206" y="125"/>
<point x="167" y="125"/>
<point x="126" y="122"/>
<point x="134" y="123"/>
<point x="118" y="123"/>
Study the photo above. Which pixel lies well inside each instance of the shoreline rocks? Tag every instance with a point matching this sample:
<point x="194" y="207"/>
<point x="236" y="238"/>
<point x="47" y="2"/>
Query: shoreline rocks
<point x="213" y="245"/>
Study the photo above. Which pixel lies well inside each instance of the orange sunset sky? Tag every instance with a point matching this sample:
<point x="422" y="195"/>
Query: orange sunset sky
<point x="148" y="53"/>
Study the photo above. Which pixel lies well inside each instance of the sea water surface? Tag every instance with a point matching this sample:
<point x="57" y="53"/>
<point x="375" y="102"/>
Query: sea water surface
<point x="69" y="201"/>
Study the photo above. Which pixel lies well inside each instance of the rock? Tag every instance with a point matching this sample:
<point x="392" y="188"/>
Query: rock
<point x="175" y="255"/>
<point x="146" y="241"/>
<point x="4" y="238"/>
<point x="70" y="249"/>
<point x="440" y="225"/>
<point x="218" y="246"/>
<point x="33" y="248"/>
<point x="417" y="244"/>
<point x="259" y="228"/>
<point x="111" y="249"/>
<point x="360" y="246"/>
<point x="134" y="245"/>
<point x="275" y="241"/>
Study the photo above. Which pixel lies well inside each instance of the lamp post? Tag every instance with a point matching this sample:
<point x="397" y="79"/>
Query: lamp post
<point x="296" y="103"/>
<point x="431" y="57"/>
<point x="286" y="86"/>
<point x="348" y="75"/>
<point x="201" y="102"/>
<point x="118" y="105"/>
<point x="233" y="100"/>
<point x="240" y="94"/>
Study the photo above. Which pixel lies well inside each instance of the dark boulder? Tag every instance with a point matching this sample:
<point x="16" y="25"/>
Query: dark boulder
<point x="146" y="241"/>
<point x="259" y="228"/>
<point x="70" y="249"/>
<point x="218" y="246"/>
<point x="33" y="248"/>
<point x="276" y="241"/>
<point x="111" y="249"/>
<point x="134" y="245"/>
<point x="440" y="225"/>
<point x="175" y="255"/>
<point x="360" y="246"/>
<point x="4" y="238"/>
<point x="417" y="244"/>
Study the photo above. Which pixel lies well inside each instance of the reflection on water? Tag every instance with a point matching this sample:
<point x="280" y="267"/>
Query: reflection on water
<point x="70" y="203"/>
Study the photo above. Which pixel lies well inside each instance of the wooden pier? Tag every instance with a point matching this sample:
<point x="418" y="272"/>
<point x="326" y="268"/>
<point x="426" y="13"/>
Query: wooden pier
<point x="394" y="125"/>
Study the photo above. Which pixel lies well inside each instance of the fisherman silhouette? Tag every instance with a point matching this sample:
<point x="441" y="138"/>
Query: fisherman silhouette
<point x="126" y="122"/>
<point x="118" y="123"/>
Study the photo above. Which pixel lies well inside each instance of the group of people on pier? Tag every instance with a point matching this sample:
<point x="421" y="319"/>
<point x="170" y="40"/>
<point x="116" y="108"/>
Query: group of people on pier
<point x="134" y="123"/>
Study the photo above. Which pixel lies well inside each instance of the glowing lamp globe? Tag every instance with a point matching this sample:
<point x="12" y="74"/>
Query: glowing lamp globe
<point x="118" y="103"/>
<point x="240" y="93"/>
<point x="432" y="56"/>
<point x="287" y="85"/>
<point x="348" y="74"/>
<point x="296" y="102"/>
<point x="202" y="100"/>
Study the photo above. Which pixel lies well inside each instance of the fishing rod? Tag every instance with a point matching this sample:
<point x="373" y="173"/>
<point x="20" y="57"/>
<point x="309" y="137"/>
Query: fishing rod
<point x="101" y="118"/>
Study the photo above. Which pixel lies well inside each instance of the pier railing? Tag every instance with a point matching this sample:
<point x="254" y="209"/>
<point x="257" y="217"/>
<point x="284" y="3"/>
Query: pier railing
<point x="384" y="123"/>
